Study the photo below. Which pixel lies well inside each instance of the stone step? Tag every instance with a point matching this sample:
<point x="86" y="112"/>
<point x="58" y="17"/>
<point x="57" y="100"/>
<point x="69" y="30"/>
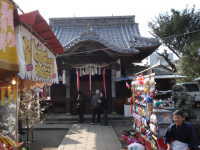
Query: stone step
<point x="87" y="117"/>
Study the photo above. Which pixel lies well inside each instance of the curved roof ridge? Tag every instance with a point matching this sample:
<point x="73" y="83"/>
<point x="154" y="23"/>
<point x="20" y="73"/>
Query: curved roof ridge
<point x="108" y="20"/>
<point x="122" y="35"/>
<point x="92" y="17"/>
<point x="93" y="36"/>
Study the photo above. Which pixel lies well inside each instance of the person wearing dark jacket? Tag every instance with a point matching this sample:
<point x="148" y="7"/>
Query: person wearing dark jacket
<point x="104" y="107"/>
<point x="96" y="104"/>
<point x="181" y="135"/>
<point x="80" y="106"/>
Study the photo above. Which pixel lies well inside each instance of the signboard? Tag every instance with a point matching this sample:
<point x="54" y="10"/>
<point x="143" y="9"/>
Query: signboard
<point x="8" y="54"/>
<point x="36" y="61"/>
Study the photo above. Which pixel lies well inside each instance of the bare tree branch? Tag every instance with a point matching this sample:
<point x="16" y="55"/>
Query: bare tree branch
<point x="172" y="65"/>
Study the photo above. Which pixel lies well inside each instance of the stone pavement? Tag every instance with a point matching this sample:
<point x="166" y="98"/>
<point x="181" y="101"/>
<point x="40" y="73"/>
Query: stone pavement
<point x="90" y="137"/>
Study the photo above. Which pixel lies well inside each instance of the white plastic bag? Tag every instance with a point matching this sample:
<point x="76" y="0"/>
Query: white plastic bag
<point x="178" y="145"/>
<point x="136" y="146"/>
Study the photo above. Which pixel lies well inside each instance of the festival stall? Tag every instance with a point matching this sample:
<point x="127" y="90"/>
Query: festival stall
<point x="151" y="116"/>
<point x="27" y="69"/>
<point x="37" y="71"/>
<point x="8" y="77"/>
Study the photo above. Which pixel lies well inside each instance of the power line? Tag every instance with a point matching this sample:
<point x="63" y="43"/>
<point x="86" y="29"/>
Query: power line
<point x="167" y="37"/>
<point x="93" y="50"/>
<point x="87" y="51"/>
<point x="181" y="34"/>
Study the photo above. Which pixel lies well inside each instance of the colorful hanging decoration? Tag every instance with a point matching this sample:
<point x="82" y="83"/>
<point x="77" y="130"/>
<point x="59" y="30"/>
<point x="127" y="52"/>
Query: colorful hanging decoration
<point x="143" y="89"/>
<point x="89" y="69"/>
<point x="140" y="80"/>
<point x="148" y="121"/>
<point x="6" y="143"/>
<point x="8" y="53"/>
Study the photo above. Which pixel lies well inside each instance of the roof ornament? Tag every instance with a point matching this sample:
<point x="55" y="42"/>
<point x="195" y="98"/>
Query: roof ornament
<point x="133" y="42"/>
<point x="89" y="28"/>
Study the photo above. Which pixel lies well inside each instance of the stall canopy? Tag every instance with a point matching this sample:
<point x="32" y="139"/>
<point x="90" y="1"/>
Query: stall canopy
<point x="40" y="26"/>
<point x="161" y="72"/>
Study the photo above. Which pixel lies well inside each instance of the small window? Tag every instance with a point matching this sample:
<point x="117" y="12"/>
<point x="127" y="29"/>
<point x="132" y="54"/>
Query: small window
<point x="191" y="87"/>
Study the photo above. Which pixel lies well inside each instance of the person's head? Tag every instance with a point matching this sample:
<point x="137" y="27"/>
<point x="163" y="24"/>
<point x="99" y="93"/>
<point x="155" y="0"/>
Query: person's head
<point x="178" y="117"/>
<point x="97" y="91"/>
<point x="102" y="94"/>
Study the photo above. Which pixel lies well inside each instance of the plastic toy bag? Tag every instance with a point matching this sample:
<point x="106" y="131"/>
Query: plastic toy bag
<point x="136" y="146"/>
<point x="177" y="145"/>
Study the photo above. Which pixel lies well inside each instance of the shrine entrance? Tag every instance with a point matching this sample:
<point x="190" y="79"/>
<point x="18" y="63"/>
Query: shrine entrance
<point x="97" y="51"/>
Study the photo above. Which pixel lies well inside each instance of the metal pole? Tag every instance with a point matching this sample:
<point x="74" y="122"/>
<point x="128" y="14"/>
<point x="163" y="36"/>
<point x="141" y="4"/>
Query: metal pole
<point x="17" y="109"/>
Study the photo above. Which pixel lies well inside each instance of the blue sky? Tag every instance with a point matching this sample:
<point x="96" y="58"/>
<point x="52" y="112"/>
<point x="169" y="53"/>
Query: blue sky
<point x="144" y="10"/>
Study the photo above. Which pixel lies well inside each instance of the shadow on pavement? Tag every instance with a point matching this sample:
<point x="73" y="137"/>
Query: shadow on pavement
<point x="48" y="139"/>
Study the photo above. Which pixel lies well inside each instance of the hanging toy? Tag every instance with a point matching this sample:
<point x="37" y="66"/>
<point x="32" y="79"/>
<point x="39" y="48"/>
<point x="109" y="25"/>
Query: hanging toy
<point x="148" y="99"/>
<point x="138" y="93"/>
<point x="152" y="94"/>
<point x="146" y="90"/>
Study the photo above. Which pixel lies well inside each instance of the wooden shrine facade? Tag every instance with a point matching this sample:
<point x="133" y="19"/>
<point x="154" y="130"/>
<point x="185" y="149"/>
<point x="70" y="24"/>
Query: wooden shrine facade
<point x="97" y="50"/>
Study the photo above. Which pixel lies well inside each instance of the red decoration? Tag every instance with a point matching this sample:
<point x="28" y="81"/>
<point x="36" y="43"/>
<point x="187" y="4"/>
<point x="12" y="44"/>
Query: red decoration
<point x="140" y="79"/>
<point x="29" y="67"/>
<point x="141" y="82"/>
<point x="148" y="145"/>
<point x="152" y="94"/>
<point x="131" y="102"/>
<point x="161" y="144"/>
<point x="78" y="80"/>
<point x="104" y="82"/>
<point x="138" y="93"/>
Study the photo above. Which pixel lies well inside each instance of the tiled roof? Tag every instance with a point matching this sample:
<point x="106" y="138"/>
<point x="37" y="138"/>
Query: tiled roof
<point x="120" y="33"/>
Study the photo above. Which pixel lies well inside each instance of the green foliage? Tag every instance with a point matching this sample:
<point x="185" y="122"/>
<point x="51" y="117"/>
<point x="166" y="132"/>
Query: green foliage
<point x="189" y="63"/>
<point x="180" y="32"/>
<point x="169" y="27"/>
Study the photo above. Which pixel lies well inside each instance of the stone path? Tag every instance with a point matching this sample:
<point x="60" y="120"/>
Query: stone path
<point x="90" y="137"/>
